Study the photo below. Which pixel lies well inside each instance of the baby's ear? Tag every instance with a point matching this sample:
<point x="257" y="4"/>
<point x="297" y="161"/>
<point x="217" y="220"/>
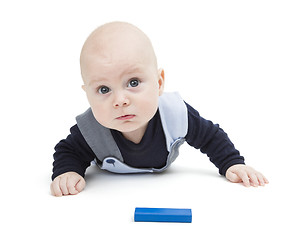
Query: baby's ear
<point x="84" y="87"/>
<point x="161" y="80"/>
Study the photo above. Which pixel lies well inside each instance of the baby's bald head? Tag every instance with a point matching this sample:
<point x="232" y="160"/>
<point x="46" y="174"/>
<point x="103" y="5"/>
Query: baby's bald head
<point x="116" y="42"/>
<point x="121" y="78"/>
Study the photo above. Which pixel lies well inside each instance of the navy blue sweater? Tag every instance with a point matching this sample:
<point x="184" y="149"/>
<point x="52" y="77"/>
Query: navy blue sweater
<point x="74" y="154"/>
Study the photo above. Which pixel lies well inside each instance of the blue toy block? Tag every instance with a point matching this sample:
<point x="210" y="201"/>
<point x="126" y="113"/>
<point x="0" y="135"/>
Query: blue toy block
<point x="163" y="215"/>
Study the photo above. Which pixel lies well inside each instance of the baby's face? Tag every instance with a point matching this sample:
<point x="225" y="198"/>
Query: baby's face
<point x="122" y="85"/>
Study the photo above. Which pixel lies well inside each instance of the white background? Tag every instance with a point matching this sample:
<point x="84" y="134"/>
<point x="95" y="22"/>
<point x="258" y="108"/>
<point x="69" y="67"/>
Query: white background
<point x="237" y="62"/>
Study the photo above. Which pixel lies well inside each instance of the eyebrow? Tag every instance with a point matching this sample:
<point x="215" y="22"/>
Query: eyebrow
<point x="130" y="70"/>
<point x="93" y="82"/>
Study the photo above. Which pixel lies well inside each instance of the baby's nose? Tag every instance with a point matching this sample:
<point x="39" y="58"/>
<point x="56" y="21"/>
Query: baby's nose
<point x="121" y="101"/>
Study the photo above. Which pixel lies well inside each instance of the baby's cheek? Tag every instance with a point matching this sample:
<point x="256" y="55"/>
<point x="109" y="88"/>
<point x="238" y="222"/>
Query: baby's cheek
<point x="101" y="116"/>
<point x="149" y="110"/>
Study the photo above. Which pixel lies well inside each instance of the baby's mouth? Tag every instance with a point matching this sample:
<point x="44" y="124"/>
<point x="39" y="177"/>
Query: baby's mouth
<point x="126" y="117"/>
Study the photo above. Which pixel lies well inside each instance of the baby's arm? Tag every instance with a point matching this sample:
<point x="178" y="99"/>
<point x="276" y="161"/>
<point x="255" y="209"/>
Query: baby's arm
<point x="67" y="183"/>
<point x="71" y="158"/>
<point x="212" y="140"/>
<point x="249" y="176"/>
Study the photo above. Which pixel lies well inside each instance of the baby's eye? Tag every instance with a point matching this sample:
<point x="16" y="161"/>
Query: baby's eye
<point x="133" y="82"/>
<point x="104" y="90"/>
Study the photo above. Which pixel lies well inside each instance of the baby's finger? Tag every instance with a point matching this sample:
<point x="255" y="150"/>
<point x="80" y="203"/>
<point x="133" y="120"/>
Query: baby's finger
<point x="63" y="185"/>
<point x="71" y="182"/>
<point x="244" y="177"/>
<point x="260" y="179"/>
<point x="81" y="185"/>
<point x="254" y="179"/>
<point x="55" y="188"/>
<point x="263" y="179"/>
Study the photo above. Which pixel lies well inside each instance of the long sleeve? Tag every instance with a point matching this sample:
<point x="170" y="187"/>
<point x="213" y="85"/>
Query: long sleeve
<point x="211" y="140"/>
<point x="72" y="154"/>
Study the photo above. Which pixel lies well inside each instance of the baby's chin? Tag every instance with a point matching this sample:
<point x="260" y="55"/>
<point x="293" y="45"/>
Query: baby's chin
<point x="127" y="128"/>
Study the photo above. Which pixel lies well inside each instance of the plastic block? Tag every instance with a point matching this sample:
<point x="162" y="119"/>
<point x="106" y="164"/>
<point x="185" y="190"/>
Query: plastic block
<point x="183" y="215"/>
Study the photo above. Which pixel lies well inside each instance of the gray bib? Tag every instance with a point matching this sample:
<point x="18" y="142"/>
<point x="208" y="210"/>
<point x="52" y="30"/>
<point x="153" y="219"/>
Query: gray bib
<point x="174" y="119"/>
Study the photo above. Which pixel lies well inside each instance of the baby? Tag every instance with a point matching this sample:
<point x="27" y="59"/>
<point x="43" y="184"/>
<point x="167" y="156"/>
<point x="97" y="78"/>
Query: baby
<point x="132" y="125"/>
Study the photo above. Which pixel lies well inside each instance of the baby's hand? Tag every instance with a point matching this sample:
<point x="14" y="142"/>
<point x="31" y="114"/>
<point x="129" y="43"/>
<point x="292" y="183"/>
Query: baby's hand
<point x="247" y="175"/>
<point x="67" y="183"/>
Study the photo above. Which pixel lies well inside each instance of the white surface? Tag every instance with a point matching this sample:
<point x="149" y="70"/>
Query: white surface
<point x="237" y="62"/>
